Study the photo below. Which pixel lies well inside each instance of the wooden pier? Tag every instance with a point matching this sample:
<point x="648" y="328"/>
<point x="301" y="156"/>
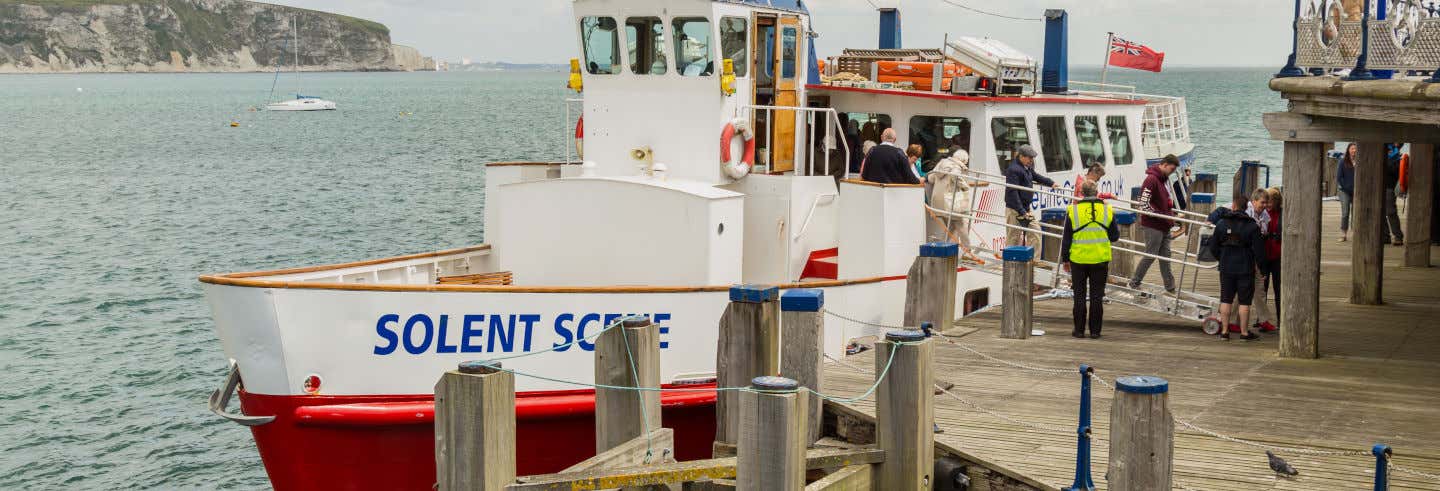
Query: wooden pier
<point x="1377" y="380"/>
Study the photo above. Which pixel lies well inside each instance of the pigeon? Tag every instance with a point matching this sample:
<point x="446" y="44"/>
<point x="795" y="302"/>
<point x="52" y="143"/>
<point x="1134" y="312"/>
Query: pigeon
<point x="1280" y="466"/>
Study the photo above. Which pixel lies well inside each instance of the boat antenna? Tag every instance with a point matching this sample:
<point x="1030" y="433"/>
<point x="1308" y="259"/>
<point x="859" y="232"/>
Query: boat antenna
<point x="279" y="62"/>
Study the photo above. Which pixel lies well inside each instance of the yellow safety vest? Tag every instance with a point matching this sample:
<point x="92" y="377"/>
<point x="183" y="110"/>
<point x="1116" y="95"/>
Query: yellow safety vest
<point x="1090" y="243"/>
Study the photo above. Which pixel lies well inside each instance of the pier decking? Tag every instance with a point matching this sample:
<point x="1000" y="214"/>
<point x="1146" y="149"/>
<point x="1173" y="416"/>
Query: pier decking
<point x="1377" y="381"/>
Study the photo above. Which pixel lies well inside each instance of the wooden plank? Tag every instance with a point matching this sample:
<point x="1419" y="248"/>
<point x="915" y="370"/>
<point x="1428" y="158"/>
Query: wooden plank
<point x="1368" y="222"/>
<point x="772" y="438"/>
<point x="635" y="452"/>
<point x="475" y="429"/>
<point x="1422" y="193"/>
<point x="905" y="410"/>
<point x="749" y="347"/>
<point x="852" y="478"/>
<point x="1289" y="126"/>
<point x="802" y="355"/>
<point x="679" y="472"/>
<point x="621" y="355"/>
<point x="1300" y="251"/>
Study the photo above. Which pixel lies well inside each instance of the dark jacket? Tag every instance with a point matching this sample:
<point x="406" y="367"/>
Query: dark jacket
<point x="1020" y="175"/>
<point x="1237" y="243"/>
<point x="887" y="164"/>
<point x="1113" y="230"/>
<point x="1345" y="175"/>
<point x="1155" y="198"/>
<point x="1392" y="167"/>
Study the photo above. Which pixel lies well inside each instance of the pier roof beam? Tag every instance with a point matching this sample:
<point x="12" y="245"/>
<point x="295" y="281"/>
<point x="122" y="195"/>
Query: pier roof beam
<point x="1289" y="126"/>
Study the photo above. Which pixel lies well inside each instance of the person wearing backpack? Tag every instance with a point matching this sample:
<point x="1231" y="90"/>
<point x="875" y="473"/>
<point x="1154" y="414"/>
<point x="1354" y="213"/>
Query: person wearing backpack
<point x="1085" y="251"/>
<point x="1238" y="246"/>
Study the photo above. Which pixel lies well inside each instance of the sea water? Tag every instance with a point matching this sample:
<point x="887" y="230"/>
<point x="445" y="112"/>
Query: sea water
<point x="118" y="190"/>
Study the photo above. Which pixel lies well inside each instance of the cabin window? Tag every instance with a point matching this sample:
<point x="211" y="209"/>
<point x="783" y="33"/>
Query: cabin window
<point x="1119" y="133"/>
<point x="939" y="136"/>
<point x="1088" y="141"/>
<point x="601" y="41"/>
<point x="860" y="128"/>
<point x="692" y="46"/>
<point x="645" y="37"/>
<point x="734" y="32"/>
<point x="1009" y="133"/>
<point x="1054" y="143"/>
<point x="788" y="40"/>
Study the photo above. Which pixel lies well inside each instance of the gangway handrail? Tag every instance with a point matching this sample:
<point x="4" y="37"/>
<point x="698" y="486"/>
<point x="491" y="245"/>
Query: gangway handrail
<point x="1058" y="236"/>
<point x="1000" y="177"/>
<point x="834" y="128"/>
<point x="1001" y="182"/>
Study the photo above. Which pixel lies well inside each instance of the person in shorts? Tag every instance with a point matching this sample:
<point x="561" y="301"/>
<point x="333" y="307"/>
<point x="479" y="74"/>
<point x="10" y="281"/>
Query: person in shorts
<point x="1237" y="245"/>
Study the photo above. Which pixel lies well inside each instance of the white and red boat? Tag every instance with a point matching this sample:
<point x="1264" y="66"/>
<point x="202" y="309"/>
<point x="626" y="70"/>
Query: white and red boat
<point x="338" y="362"/>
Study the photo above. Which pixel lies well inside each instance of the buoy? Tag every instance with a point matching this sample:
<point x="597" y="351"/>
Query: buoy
<point x="234" y="124"/>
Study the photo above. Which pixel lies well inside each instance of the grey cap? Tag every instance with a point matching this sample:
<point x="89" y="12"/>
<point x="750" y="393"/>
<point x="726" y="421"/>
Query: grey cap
<point x="1027" y="151"/>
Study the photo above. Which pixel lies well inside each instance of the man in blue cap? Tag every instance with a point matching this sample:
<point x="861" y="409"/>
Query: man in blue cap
<point x="1021" y="173"/>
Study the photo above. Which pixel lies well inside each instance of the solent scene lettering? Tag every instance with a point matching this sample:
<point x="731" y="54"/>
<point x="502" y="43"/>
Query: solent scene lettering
<point x="418" y="334"/>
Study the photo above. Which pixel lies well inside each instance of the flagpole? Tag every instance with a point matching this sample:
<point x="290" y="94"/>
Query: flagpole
<point x="1105" y="65"/>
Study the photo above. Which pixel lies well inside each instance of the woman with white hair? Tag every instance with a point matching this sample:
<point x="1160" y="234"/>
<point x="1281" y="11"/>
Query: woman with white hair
<point x="952" y="193"/>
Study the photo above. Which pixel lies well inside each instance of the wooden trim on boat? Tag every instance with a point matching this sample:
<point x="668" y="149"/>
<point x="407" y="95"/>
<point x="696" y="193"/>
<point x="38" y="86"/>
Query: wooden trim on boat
<point x="863" y="182"/>
<point x="250" y="282"/>
<point x="528" y="164"/>
<point x="357" y="264"/>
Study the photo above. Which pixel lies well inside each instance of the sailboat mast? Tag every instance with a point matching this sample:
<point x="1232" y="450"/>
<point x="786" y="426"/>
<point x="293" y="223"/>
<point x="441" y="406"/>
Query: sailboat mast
<point x="297" y="55"/>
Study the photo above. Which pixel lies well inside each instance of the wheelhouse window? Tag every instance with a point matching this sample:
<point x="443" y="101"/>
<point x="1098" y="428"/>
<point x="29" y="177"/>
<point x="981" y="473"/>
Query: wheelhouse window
<point x="939" y="136"/>
<point x="789" y="38"/>
<point x="1054" y="143"/>
<point x="734" y="32"/>
<point x="692" y="46"/>
<point x="1119" y="135"/>
<point x="600" y="38"/>
<point x="1009" y="134"/>
<point x="645" y="37"/>
<point x="1088" y="140"/>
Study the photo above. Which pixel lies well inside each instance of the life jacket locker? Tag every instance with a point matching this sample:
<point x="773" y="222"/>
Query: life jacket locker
<point x="921" y="83"/>
<point x="915" y="69"/>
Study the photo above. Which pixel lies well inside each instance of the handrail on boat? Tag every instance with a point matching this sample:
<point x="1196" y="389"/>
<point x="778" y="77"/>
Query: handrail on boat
<point x="832" y="129"/>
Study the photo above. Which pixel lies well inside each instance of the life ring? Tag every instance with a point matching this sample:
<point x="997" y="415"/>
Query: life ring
<point x="580" y="138"/>
<point x="737" y="170"/>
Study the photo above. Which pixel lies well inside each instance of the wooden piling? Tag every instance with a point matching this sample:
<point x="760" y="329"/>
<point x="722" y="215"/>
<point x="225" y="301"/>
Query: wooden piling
<point x="1142" y="434"/>
<point x="1050" y="246"/>
<point x="1122" y="264"/>
<point x="1204" y="183"/>
<point x="626" y="356"/>
<point x="1419" y="209"/>
<point x="1300" y="251"/>
<point x="475" y="428"/>
<point x="1018" y="303"/>
<point x="1202" y="203"/>
<point x="905" y="410"/>
<point x="1367" y="220"/>
<point x="802" y="325"/>
<point x="772" y="437"/>
<point x="930" y="286"/>
<point x="749" y="347"/>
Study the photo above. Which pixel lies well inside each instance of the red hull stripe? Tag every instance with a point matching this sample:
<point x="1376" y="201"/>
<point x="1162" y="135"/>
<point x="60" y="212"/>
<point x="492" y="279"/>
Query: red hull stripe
<point x="528" y="407"/>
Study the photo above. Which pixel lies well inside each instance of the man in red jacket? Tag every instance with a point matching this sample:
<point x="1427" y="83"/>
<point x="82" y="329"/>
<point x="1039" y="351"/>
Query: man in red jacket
<point x="1155" y="231"/>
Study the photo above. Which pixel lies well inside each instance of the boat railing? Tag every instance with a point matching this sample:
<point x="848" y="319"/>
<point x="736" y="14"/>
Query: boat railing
<point x="833" y="136"/>
<point x="1105" y="90"/>
<point x="1166" y="122"/>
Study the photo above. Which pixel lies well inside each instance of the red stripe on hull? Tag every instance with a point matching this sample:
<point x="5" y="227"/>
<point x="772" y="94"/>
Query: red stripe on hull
<point x="387" y="442"/>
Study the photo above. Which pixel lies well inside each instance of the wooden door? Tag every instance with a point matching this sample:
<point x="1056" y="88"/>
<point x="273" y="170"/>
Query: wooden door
<point x="789" y="44"/>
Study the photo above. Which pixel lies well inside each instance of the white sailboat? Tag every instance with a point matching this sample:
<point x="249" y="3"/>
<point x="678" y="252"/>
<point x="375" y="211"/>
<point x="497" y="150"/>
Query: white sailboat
<point x="301" y="102"/>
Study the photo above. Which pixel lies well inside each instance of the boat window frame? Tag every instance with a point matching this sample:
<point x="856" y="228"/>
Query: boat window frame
<point x="1045" y="151"/>
<point x="797" y="48"/>
<point x="997" y="149"/>
<point x="742" y="65"/>
<point x="660" y="47"/>
<point x="1110" y="142"/>
<point x="1100" y="135"/>
<point x="710" y="48"/>
<point x="617" y="56"/>
<point x="929" y="157"/>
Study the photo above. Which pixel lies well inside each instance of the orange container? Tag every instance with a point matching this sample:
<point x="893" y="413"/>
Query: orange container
<point x="921" y="83"/>
<point x="916" y="69"/>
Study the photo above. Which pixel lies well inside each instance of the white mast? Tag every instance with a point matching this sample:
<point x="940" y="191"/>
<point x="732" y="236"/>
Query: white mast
<point x="297" y="55"/>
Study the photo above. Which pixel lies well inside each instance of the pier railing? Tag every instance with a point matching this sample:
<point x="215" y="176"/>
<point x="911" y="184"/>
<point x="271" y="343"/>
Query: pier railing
<point x="1400" y="35"/>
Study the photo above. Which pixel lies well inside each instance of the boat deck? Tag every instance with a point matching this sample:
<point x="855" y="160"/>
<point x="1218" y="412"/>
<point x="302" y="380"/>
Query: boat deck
<point x="1378" y="381"/>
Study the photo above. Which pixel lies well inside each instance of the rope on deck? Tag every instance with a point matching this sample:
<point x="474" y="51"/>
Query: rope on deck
<point x="1413" y="472"/>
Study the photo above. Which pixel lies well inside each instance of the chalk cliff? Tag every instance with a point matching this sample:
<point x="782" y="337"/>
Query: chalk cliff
<point x="183" y="35"/>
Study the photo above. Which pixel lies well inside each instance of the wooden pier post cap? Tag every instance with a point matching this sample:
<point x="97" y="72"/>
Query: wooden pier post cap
<point x="1126" y="217"/>
<point x="774" y="383"/>
<point x="905" y="336"/>
<point x="635" y="322"/>
<point x="1142" y="385"/>
<point x="479" y="367"/>
<point x="753" y="293"/>
<point x="939" y="249"/>
<point x="1202" y="198"/>
<point x="1018" y="253"/>
<point x="802" y="300"/>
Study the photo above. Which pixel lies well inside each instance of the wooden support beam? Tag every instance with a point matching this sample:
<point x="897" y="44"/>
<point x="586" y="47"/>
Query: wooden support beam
<point x="1142" y="435"/>
<point x="905" y="410"/>
<point x="802" y="324"/>
<point x="772" y="436"/>
<point x="852" y="478"/>
<point x="679" y="472"/>
<point x="1409" y="112"/>
<point x="1017" y="302"/>
<point x="1367" y="219"/>
<point x="749" y="347"/>
<point x="621" y="355"/>
<point x="1300" y="251"/>
<point x="1289" y="126"/>
<point x="1420" y="208"/>
<point x="642" y="450"/>
<point x="475" y="428"/>
<point x="930" y="286"/>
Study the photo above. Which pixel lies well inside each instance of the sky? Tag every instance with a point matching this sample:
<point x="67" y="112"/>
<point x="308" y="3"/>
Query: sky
<point x="1191" y="33"/>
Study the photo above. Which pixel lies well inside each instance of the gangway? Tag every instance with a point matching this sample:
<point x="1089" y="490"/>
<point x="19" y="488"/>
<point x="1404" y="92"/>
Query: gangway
<point x="1186" y="302"/>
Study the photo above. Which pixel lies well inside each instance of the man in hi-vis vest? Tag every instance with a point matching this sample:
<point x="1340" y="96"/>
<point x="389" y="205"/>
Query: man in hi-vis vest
<point x="1085" y="251"/>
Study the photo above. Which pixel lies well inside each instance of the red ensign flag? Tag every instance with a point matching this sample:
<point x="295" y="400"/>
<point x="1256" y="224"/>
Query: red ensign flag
<point x="1134" y="55"/>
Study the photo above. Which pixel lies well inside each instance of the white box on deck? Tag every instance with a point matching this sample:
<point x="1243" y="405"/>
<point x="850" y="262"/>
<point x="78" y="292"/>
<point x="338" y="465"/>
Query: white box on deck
<point x="991" y="57"/>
